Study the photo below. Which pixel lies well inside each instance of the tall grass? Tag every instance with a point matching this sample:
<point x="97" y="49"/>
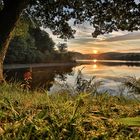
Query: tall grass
<point x="133" y="84"/>
<point x="38" y="115"/>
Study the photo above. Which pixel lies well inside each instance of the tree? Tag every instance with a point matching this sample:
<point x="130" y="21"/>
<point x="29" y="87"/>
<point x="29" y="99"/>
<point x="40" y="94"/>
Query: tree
<point x="21" y="50"/>
<point x="62" y="47"/>
<point x="9" y="15"/>
<point x="104" y="15"/>
<point x="42" y="40"/>
<point x="29" y="45"/>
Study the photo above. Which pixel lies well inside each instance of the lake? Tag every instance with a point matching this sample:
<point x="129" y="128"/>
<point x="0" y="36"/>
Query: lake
<point x="52" y="76"/>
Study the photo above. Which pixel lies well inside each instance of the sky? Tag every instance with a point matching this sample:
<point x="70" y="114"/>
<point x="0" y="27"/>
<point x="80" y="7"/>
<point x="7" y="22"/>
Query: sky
<point x="121" y="41"/>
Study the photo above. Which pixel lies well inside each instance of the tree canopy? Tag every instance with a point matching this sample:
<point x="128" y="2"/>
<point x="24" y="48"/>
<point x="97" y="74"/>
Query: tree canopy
<point x="104" y="15"/>
<point x="62" y="47"/>
<point x="32" y="45"/>
<point x="42" y="40"/>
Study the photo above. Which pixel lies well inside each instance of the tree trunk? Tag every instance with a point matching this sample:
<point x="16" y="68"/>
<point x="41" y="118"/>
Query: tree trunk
<point x="1" y="73"/>
<point x="8" y="19"/>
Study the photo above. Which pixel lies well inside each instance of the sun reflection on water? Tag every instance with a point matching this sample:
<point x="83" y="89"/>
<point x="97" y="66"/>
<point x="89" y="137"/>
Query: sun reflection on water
<point x="95" y="60"/>
<point x="95" y="66"/>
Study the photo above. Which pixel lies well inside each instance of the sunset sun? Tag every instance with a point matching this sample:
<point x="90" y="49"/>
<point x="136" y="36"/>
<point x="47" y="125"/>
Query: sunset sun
<point x="95" y="51"/>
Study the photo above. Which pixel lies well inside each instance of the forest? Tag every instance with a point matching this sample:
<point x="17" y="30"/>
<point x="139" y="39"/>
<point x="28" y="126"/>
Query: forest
<point x="30" y="44"/>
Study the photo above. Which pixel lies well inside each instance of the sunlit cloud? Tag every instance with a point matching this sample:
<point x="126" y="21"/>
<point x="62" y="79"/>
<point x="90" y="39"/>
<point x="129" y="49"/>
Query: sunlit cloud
<point x="129" y="36"/>
<point x="121" y="41"/>
<point x="116" y="41"/>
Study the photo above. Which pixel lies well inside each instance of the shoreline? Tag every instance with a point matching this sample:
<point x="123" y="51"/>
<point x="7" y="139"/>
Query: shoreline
<point x="78" y="62"/>
<point x="37" y="65"/>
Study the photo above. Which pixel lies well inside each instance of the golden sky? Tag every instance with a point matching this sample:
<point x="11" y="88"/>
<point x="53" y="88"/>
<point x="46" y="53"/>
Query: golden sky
<point x="113" y="42"/>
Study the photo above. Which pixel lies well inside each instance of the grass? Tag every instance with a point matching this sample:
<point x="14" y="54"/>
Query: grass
<point x="39" y="116"/>
<point x="131" y="121"/>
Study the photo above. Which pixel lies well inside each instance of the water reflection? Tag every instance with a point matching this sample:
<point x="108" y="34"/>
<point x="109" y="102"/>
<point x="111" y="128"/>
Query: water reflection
<point x="110" y="62"/>
<point x="95" y="66"/>
<point x="95" y="60"/>
<point x="44" y="77"/>
<point x="41" y="77"/>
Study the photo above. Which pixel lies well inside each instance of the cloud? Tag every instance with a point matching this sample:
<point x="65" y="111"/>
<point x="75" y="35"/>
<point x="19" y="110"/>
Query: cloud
<point x="116" y="41"/>
<point x="82" y="40"/>
<point x="131" y="50"/>
<point x="129" y="36"/>
<point x="86" y="45"/>
<point x="83" y="36"/>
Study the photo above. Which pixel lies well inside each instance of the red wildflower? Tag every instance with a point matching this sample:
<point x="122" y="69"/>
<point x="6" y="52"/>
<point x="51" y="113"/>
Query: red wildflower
<point x="27" y="75"/>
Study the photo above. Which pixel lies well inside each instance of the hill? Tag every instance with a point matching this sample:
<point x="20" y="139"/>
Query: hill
<point x="108" y="56"/>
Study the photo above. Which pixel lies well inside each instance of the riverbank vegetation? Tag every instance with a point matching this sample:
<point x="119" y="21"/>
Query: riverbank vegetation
<point x="62" y="116"/>
<point x="30" y="44"/>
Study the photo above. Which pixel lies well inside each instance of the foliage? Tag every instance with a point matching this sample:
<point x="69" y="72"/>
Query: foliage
<point x="43" y="42"/>
<point x="1" y="5"/>
<point x="81" y="84"/>
<point x="105" y="16"/>
<point x="23" y="50"/>
<point x="33" y="47"/>
<point x="132" y="84"/>
<point x="62" y="47"/>
<point x="21" y="28"/>
<point x="26" y="85"/>
<point x="84" y="85"/>
<point x="37" y="115"/>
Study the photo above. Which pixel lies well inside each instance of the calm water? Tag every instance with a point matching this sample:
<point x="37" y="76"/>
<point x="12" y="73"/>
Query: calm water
<point x="111" y="73"/>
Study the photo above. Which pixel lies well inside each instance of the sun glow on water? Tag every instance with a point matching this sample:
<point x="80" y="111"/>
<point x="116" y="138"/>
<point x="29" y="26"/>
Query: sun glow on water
<point x="95" y="66"/>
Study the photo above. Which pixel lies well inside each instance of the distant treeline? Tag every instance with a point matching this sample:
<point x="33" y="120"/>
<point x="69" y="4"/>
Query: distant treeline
<point x="109" y="56"/>
<point x="119" y="56"/>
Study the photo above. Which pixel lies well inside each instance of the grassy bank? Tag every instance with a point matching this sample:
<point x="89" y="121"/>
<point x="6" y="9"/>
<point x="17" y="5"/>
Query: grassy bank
<point x="61" y="116"/>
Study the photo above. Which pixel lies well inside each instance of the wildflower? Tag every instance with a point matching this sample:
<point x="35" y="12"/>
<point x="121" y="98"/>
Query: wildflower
<point x="26" y="85"/>
<point x="27" y="76"/>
